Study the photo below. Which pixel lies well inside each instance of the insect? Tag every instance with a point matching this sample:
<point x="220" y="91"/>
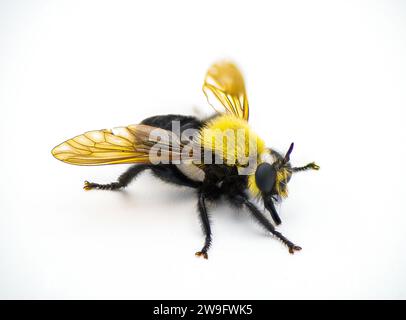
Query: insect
<point x="243" y="171"/>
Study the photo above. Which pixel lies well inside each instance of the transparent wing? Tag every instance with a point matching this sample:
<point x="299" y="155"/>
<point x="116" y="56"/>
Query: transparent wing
<point x="133" y="144"/>
<point x="224" y="88"/>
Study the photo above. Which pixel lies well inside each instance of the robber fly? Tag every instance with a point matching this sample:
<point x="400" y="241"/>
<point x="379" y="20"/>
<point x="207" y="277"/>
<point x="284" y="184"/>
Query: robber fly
<point x="241" y="171"/>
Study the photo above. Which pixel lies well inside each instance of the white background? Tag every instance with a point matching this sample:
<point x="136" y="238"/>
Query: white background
<point x="330" y="76"/>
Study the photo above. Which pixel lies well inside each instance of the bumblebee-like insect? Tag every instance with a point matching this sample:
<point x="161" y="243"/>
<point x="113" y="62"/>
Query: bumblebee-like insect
<point x="154" y="139"/>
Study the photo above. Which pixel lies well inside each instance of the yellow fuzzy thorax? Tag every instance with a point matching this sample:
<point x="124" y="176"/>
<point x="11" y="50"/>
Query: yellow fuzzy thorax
<point x="232" y="138"/>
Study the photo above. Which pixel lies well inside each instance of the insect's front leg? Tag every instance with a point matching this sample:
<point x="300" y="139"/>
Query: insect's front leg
<point x="257" y="214"/>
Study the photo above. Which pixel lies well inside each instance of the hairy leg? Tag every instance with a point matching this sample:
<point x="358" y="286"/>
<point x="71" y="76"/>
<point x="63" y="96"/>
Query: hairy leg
<point x="257" y="214"/>
<point x="204" y="217"/>
<point x="122" y="181"/>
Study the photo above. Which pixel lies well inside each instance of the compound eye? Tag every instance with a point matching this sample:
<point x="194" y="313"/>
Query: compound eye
<point x="265" y="177"/>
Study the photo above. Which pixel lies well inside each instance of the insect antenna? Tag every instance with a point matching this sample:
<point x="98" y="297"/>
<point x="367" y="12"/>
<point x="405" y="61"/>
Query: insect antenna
<point x="287" y="155"/>
<point x="309" y="166"/>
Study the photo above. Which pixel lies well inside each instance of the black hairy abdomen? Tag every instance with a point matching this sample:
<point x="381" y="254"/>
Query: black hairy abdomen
<point x="169" y="172"/>
<point x="165" y="122"/>
<point x="220" y="179"/>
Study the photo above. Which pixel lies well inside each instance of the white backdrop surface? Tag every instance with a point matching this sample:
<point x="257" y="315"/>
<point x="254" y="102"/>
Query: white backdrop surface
<point x="328" y="75"/>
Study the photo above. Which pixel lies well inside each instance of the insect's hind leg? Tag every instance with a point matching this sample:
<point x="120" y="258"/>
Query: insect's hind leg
<point x="122" y="181"/>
